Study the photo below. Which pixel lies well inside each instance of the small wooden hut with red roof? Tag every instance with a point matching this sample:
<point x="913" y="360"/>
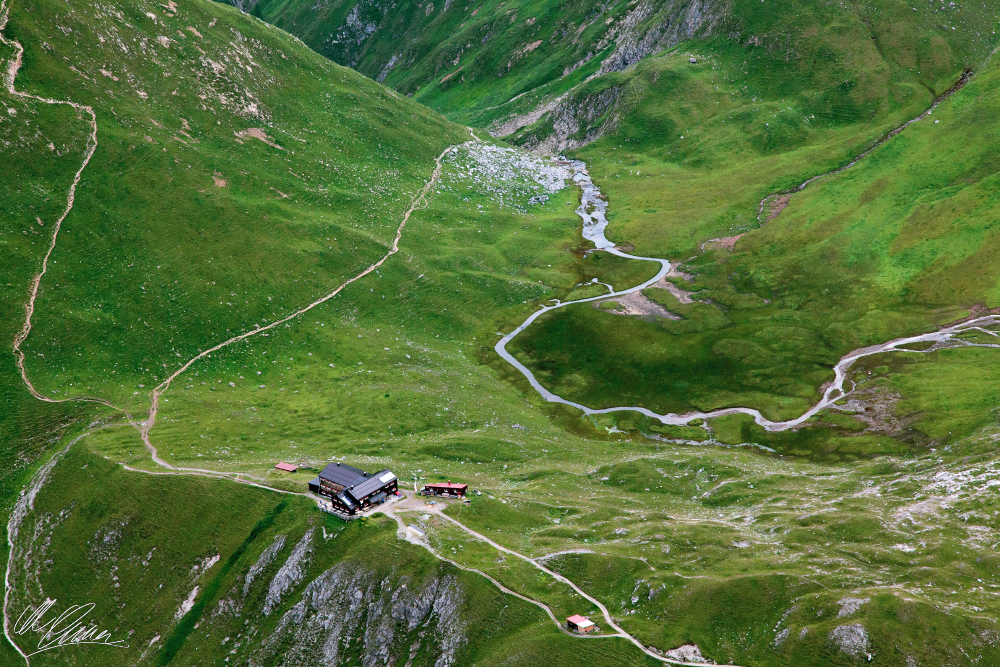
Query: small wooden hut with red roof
<point x="445" y="489"/>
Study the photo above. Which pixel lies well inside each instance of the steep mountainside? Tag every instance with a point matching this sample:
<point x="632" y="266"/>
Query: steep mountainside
<point x="259" y="580"/>
<point x="217" y="158"/>
<point x="227" y="251"/>
<point x="198" y="123"/>
<point x="503" y="64"/>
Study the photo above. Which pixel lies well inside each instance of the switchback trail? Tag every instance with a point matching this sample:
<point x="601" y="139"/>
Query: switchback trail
<point x="29" y="307"/>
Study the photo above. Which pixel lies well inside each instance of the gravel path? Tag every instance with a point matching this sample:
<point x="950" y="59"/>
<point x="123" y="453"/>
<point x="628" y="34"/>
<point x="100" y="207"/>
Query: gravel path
<point x="405" y="533"/>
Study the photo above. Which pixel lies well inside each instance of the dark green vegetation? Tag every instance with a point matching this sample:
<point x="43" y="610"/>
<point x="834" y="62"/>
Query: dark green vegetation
<point x="125" y="542"/>
<point x="470" y="60"/>
<point x="780" y="93"/>
<point x="900" y="243"/>
<point x="258" y="176"/>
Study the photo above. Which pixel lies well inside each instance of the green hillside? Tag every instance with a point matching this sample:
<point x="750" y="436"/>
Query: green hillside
<point x="125" y="542"/>
<point x="899" y="244"/>
<point x="242" y="180"/>
<point x="311" y="165"/>
<point x="470" y="60"/>
<point x="685" y="151"/>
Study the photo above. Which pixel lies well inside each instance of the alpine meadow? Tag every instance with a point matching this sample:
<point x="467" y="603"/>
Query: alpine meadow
<point x="504" y="333"/>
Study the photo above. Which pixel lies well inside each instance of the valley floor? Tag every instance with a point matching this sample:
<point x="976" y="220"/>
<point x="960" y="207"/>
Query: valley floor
<point x="685" y="533"/>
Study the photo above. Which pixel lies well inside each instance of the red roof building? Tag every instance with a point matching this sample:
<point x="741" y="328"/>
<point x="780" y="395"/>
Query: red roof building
<point x="580" y="624"/>
<point x="287" y="467"/>
<point x="445" y="489"/>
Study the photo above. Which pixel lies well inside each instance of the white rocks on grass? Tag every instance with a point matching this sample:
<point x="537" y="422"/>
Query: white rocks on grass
<point x="850" y="605"/>
<point x="688" y="653"/>
<point x="204" y="565"/>
<point x="187" y="604"/>
<point x="290" y="574"/>
<point x="265" y="559"/>
<point x="512" y="178"/>
<point x="851" y="639"/>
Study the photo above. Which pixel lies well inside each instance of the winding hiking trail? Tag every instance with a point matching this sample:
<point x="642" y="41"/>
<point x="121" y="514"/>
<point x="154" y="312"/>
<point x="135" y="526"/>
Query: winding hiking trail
<point x="26" y="502"/>
<point x="420" y="201"/>
<point x="592" y="211"/>
<point x="29" y="307"/>
<point x="144" y="426"/>
<point x="405" y="534"/>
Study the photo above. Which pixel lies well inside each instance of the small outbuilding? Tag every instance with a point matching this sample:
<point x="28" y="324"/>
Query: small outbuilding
<point x="287" y="467"/>
<point x="692" y="60"/>
<point x="578" y="623"/>
<point x="447" y="489"/>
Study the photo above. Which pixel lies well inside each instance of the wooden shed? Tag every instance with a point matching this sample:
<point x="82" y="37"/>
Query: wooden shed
<point x="578" y="623"/>
<point x="445" y="489"/>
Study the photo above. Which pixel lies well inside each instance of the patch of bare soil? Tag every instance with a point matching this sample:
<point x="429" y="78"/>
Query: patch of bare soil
<point x="257" y="133"/>
<point x="729" y="242"/>
<point x="448" y="76"/>
<point x="636" y="305"/>
<point x="977" y="310"/>
<point x="219" y="181"/>
<point x="874" y="407"/>
<point x="776" y="206"/>
<point x="683" y="296"/>
<point x="675" y="272"/>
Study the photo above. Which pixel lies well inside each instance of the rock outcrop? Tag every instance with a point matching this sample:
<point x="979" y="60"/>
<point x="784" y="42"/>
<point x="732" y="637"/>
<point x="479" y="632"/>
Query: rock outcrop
<point x="348" y="611"/>
<point x="290" y="574"/>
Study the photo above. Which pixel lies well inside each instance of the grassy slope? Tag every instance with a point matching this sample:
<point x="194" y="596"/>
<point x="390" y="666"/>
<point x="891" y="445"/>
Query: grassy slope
<point x="299" y="219"/>
<point x="488" y="39"/>
<point x="791" y="92"/>
<point x="91" y="245"/>
<point x="36" y="179"/>
<point x="451" y="418"/>
<point x="896" y="245"/>
<point x="124" y="541"/>
<point x="851" y="59"/>
<point x="774" y="547"/>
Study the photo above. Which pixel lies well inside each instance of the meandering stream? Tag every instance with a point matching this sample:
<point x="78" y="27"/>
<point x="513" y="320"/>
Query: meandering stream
<point x="592" y="211"/>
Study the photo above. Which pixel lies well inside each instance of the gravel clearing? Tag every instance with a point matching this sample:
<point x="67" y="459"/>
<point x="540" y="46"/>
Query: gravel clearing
<point x="850" y="605"/>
